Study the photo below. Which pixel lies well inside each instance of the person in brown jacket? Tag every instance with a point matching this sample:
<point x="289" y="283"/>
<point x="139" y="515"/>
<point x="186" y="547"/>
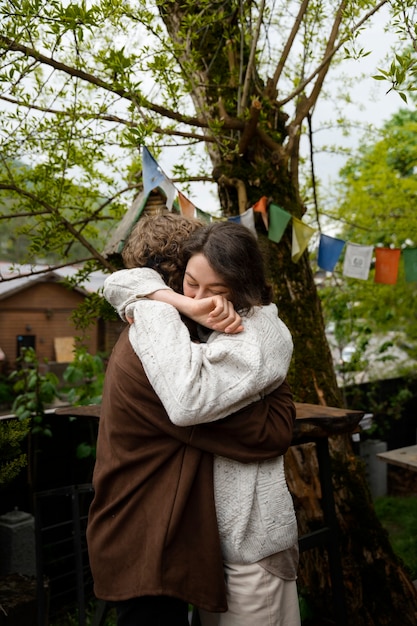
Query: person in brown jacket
<point x="152" y="533"/>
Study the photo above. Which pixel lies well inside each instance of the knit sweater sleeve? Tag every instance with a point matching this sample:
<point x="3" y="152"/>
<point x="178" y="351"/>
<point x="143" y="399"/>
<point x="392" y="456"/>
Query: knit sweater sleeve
<point x="123" y="288"/>
<point x="200" y="383"/>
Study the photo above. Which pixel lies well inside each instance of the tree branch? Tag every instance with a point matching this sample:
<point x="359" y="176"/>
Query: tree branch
<point x="49" y="268"/>
<point x="5" y="42"/>
<point x="272" y="83"/>
<point x="13" y="215"/>
<point x="250" y="126"/>
<point x="240" y="187"/>
<point x="51" y="210"/>
<point x="251" y="62"/>
<point x="324" y="65"/>
<point x="228" y="122"/>
<point x="308" y="103"/>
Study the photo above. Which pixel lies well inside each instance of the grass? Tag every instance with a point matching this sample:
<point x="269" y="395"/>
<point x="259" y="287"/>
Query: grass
<point x="71" y="618"/>
<point x="398" y="515"/>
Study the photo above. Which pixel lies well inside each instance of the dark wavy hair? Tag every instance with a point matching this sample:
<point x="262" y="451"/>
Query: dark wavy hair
<point x="157" y="242"/>
<point x="233" y="252"/>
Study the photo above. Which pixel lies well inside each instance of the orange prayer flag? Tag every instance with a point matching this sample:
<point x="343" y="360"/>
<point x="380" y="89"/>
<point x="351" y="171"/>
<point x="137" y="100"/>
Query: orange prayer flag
<point x="187" y="208"/>
<point x="386" y="265"/>
<point x="261" y="205"/>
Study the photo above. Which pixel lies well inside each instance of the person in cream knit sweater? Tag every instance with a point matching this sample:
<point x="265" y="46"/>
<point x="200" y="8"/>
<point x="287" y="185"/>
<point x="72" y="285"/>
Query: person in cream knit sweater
<point x="207" y="379"/>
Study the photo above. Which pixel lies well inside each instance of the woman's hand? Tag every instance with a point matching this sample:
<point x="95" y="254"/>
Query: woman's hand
<point x="223" y="317"/>
<point x="214" y="312"/>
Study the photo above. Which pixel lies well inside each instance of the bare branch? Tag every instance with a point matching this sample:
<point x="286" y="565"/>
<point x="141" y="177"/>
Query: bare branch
<point x="250" y="126"/>
<point x="70" y="227"/>
<point x="12" y="216"/>
<point x="251" y="62"/>
<point x="322" y="69"/>
<point x="159" y="130"/>
<point x="46" y="270"/>
<point x="135" y="98"/>
<point x="240" y="187"/>
<point x="272" y="83"/>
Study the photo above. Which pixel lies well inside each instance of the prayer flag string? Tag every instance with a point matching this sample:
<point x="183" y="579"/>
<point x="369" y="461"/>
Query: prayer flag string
<point x="357" y="258"/>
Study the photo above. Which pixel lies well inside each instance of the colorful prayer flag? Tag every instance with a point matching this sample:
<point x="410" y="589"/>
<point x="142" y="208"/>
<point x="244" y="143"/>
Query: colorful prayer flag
<point x="206" y="217"/>
<point x="248" y="219"/>
<point x="301" y="235"/>
<point x="278" y="220"/>
<point x="152" y="174"/>
<point x="386" y="265"/>
<point x="357" y="261"/>
<point x="170" y="191"/>
<point x="330" y="249"/>
<point x="261" y="207"/>
<point x="187" y="208"/>
<point x="410" y="264"/>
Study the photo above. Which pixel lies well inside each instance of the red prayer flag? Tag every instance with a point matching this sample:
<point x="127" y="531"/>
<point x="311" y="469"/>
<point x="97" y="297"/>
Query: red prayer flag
<point x="386" y="265"/>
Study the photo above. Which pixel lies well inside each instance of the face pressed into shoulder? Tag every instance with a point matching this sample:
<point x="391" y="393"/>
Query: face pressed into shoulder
<point x="201" y="281"/>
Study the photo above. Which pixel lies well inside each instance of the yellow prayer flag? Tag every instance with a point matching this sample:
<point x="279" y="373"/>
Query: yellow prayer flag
<point x="301" y="235"/>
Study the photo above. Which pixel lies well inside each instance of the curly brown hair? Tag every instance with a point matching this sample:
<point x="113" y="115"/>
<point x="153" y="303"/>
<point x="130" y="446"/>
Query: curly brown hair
<point x="156" y="242"/>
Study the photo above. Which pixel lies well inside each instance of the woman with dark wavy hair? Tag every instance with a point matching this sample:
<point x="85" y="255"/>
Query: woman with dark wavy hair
<point x="232" y="251"/>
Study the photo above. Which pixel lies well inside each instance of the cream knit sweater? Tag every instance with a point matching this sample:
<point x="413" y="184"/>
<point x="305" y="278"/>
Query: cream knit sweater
<point x="205" y="382"/>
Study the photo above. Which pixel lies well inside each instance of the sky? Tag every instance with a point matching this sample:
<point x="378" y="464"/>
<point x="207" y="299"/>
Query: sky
<point x="371" y="104"/>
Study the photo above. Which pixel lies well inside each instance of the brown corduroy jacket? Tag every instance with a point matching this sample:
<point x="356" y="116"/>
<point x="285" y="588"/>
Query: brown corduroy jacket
<point x="152" y="526"/>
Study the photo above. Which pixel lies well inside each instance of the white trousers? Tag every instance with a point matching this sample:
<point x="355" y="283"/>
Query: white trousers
<point x="255" y="596"/>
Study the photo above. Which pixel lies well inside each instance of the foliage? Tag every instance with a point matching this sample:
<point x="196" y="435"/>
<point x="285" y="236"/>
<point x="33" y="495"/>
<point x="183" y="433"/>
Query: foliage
<point x="402" y="72"/>
<point x="85" y="85"/>
<point x="12" y="458"/>
<point x="72" y="619"/>
<point x="85" y="375"/>
<point x="398" y="515"/>
<point x="33" y="390"/>
<point x="6" y="396"/>
<point x="388" y="403"/>
<point x="92" y="307"/>
<point x="376" y="207"/>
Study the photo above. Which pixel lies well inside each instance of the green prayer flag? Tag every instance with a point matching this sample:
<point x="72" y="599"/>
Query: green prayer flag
<point x="278" y="220"/>
<point x="201" y="215"/>
<point x="410" y="264"/>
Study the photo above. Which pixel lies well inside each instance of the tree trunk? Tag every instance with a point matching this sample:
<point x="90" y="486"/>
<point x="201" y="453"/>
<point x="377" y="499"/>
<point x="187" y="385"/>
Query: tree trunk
<point x="377" y="588"/>
<point x="263" y="156"/>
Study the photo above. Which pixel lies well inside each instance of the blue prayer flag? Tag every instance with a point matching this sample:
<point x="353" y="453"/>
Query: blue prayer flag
<point x="330" y="250"/>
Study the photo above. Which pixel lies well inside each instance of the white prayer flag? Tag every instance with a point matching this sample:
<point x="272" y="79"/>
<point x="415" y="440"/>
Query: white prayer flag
<point x="248" y="219"/>
<point x="170" y="191"/>
<point x="357" y="260"/>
